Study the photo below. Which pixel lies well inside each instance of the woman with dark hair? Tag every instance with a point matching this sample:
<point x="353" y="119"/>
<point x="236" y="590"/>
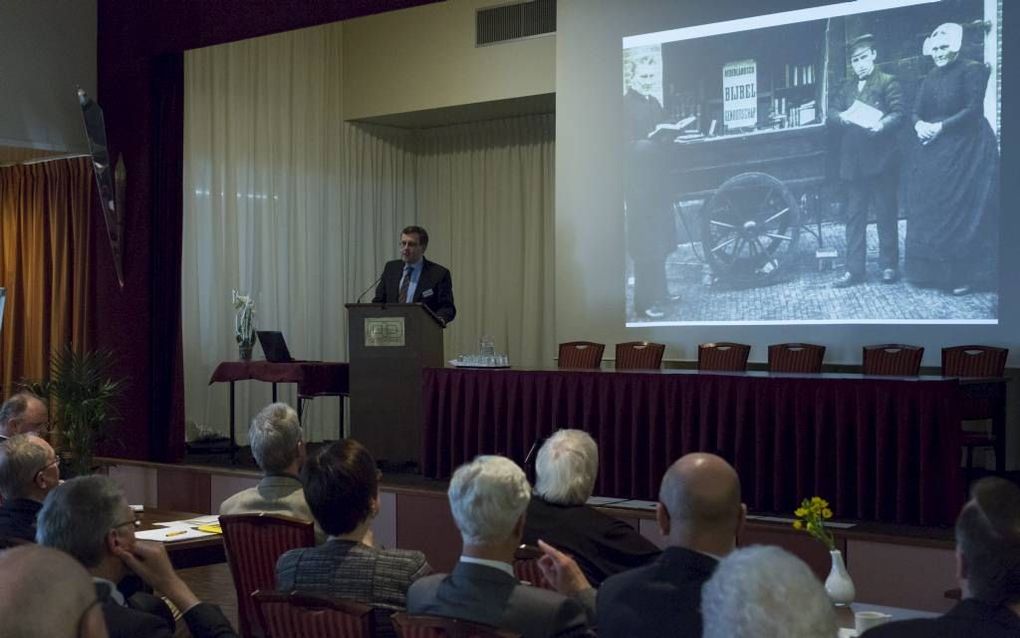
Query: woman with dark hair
<point x="341" y="485"/>
<point x="953" y="186"/>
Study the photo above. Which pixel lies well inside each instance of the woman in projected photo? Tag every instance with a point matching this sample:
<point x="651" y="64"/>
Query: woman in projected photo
<point x="953" y="186"/>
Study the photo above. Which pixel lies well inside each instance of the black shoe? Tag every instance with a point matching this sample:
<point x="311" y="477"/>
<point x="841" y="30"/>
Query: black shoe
<point x="960" y="291"/>
<point x="889" y="275"/>
<point x="847" y="280"/>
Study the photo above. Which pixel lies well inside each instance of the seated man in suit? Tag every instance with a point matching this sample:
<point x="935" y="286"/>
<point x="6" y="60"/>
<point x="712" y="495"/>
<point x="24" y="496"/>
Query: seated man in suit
<point x="700" y="514"/>
<point x="414" y="279"/>
<point x="565" y="473"/>
<point x="988" y="566"/>
<point x="44" y="592"/>
<point x="23" y="413"/>
<point x="277" y="443"/>
<point x="29" y="469"/>
<point x="765" y="592"/>
<point x="88" y="518"/>
<point x="488" y="498"/>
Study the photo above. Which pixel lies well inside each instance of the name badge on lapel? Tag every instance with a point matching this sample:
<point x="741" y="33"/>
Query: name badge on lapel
<point x="427" y="293"/>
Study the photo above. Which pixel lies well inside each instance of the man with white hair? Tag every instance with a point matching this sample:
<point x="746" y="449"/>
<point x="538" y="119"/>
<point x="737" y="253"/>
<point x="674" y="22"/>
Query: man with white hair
<point x="488" y="499"/>
<point x="45" y="592"/>
<point x="23" y="413"/>
<point x="765" y="592"/>
<point x="700" y="514"/>
<point x="29" y="469"/>
<point x="277" y="443"/>
<point x="565" y="473"/>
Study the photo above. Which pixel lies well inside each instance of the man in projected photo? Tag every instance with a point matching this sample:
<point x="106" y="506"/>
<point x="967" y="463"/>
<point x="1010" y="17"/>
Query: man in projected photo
<point x="651" y="234"/>
<point x="869" y="111"/>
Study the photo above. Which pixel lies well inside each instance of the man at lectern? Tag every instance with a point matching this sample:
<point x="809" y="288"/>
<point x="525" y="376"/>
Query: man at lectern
<point x="414" y="279"/>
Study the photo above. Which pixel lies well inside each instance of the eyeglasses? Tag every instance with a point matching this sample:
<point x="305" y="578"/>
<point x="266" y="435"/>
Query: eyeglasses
<point x="137" y="522"/>
<point x="54" y="463"/>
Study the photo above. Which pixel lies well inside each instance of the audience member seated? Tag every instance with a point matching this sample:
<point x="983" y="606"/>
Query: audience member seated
<point x="342" y="488"/>
<point x="988" y="566"/>
<point x="46" y="593"/>
<point x="89" y="518"/>
<point x="765" y="592"/>
<point x="23" y="413"/>
<point x="489" y="498"/>
<point x="700" y="514"/>
<point x="29" y="469"/>
<point x="565" y="473"/>
<point x="278" y="447"/>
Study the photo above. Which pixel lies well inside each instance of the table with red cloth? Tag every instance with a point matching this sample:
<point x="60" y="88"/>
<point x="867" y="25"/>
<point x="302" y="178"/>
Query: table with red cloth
<point x="878" y="448"/>
<point x="313" y="379"/>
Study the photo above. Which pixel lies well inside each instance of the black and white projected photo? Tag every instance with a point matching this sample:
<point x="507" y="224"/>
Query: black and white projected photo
<point x="838" y="164"/>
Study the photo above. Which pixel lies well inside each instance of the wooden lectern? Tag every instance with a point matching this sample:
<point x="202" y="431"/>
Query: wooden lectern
<point x="389" y="345"/>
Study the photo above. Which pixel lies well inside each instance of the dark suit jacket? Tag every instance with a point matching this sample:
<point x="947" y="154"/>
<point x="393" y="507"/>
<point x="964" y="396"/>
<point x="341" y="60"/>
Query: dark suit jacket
<point x="17" y="518"/>
<point x="435" y="288"/>
<point x="601" y="545"/>
<point x="863" y="153"/>
<point x="486" y="595"/>
<point x="662" y="598"/>
<point x="968" y="619"/>
<point x="149" y="617"/>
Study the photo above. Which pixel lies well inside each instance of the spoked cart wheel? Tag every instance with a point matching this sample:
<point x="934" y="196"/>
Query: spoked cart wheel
<point x="749" y="228"/>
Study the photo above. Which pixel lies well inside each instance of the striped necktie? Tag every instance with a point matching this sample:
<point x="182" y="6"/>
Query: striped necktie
<point x="404" y="283"/>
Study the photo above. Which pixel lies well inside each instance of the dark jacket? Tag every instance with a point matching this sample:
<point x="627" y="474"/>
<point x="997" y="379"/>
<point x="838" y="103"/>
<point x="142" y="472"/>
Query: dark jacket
<point x="435" y="288"/>
<point x="146" y="616"/>
<point x="662" y="598"/>
<point x="968" y="619"/>
<point x="863" y="153"/>
<point x="17" y="518"/>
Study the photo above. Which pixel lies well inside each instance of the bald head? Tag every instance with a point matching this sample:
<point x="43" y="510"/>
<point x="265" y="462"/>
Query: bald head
<point x="700" y="500"/>
<point x="45" y="592"/>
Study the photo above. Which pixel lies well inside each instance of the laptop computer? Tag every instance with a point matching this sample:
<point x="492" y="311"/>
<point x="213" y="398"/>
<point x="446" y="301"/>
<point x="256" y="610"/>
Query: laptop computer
<point x="274" y="346"/>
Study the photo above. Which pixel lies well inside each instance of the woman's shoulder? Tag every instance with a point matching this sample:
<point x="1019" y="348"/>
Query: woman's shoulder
<point x="409" y="557"/>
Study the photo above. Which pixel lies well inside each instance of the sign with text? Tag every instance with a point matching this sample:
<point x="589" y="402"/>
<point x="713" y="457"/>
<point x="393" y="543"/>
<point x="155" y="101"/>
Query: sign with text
<point x="740" y="94"/>
<point x="384" y="332"/>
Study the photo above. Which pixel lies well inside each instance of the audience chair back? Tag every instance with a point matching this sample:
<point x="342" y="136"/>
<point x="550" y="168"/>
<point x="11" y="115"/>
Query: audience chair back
<point x="979" y="361"/>
<point x="639" y="355"/>
<point x="408" y="626"/>
<point x="892" y="359"/>
<point x="581" y="354"/>
<point x="796" y="357"/>
<point x="723" y="356"/>
<point x="297" y="615"/>
<point x="526" y="566"/>
<point x="253" y="543"/>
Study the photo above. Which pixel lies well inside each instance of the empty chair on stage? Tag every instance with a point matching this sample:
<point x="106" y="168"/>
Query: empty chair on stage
<point x="987" y="362"/>
<point x="892" y="359"/>
<point x="581" y="354"/>
<point x="796" y="357"/>
<point x="639" y="355"/>
<point x="723" y="356"/>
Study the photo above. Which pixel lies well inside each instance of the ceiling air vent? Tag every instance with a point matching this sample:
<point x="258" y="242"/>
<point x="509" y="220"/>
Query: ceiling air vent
<point x="507" y="22"/>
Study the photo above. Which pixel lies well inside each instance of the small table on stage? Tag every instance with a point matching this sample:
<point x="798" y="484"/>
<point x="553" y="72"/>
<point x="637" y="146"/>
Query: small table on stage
<point x="313" y="379"/>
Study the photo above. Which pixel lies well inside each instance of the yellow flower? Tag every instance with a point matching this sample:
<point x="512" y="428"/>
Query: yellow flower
<point x="797" y="525"/>
<point x="800" y="512"/>
<point x="827" y="513"/>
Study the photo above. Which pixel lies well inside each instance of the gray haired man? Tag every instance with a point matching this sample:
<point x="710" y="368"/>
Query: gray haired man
<point x="29" y="470"/>
<point x="23" y="413"/>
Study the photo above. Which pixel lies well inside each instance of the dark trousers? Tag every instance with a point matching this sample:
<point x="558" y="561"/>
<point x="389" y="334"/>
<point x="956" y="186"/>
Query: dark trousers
<point x="878" y="192"/>
<point x="649" y="283"/>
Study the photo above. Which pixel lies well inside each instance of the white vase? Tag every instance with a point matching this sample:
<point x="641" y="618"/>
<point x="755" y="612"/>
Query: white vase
<point x="838" y="585"/>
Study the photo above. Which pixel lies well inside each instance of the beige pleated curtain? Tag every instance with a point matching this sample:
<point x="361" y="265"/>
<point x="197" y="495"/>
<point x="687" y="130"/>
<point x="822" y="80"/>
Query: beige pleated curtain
<point x="287" y="202"/>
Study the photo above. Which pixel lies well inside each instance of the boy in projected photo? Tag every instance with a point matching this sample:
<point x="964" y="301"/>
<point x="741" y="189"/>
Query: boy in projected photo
<point x="651" y="234"/>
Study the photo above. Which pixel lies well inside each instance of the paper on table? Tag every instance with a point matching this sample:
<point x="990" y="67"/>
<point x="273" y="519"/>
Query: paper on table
<point x="863" y="115"/>
<point x="847" y="632"/>
<point x="171" y="534"/>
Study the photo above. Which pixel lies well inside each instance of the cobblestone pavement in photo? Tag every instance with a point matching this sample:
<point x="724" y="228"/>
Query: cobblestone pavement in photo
<point x="803" y="290"/>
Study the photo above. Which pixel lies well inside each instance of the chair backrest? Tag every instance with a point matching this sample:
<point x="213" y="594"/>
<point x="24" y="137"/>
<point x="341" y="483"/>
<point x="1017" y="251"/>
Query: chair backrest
<point x="639" y="355"/>
<point x="253" y="543"/>
<point x="892" y="359"/>
<point x="408" y="626"/>
<point x="580" y="354"/>
<point x="796" y="357"/>
<point x="297" y="615"/>
<point x="974" y="361"/>
<point x="723" y="356"/>
<point x="526" y="566"/>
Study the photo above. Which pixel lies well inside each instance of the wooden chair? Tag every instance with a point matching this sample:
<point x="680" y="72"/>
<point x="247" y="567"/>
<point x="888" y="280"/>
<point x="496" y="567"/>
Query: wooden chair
<point x="639" y="355"/>
<point x="581" y="355"/>
<point x="796" y="357"/>
<point x="980" y="361"/>
<point x="253" y="543"/>
<point x="526" y="566"/>
<point x="723" y="356"/>
<point x="408" y="626"/>
<point x="297" y="615"/>
<point x="892" y="359"/>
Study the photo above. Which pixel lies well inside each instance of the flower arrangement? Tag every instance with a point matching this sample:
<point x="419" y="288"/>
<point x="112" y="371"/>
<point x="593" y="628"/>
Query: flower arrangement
<point x="244" y="320"/>
<point x="811" y="517"/>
